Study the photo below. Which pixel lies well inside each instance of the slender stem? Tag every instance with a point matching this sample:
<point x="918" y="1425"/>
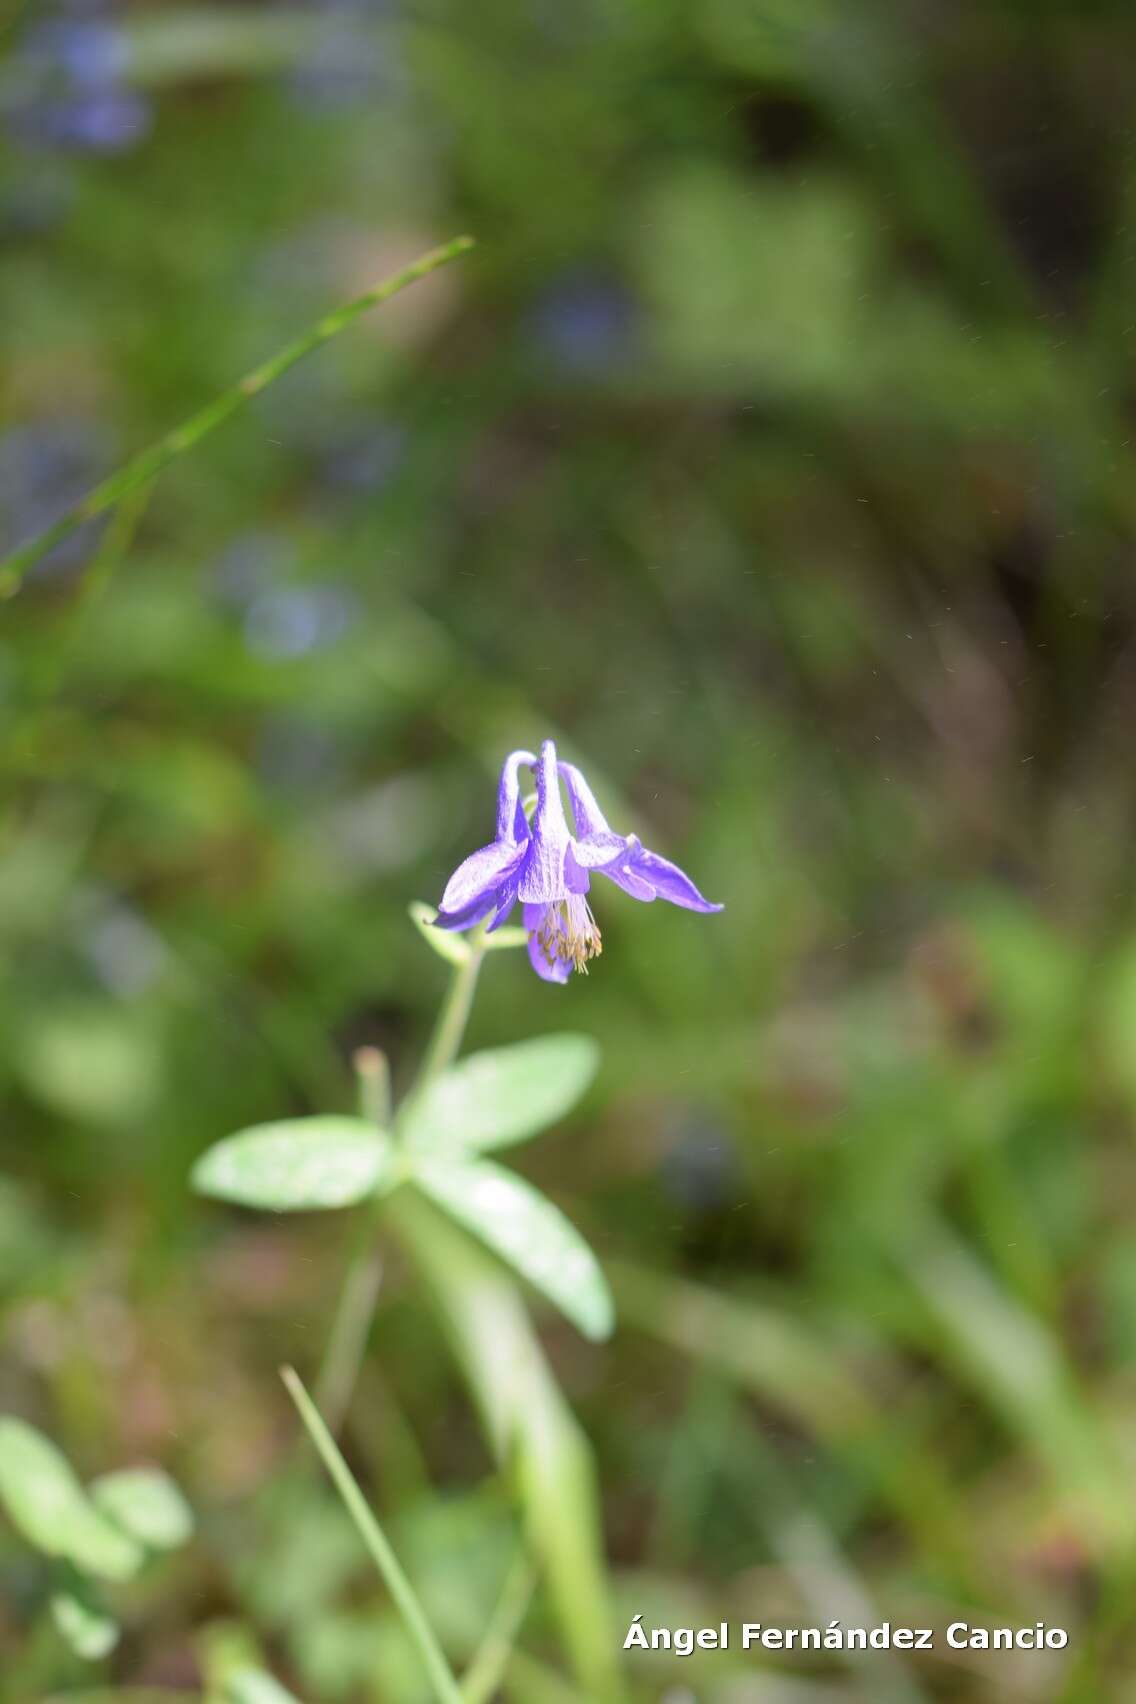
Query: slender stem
<point x="347" y="1339"/>
<point x="350" y="1329"/>
<point x="372" y="1075"/>
<point x="441" y="1049"/>
<point x="446" y="1688"/>
<point x="143" y="467"/>
<point x="483" y="1677"/>
<point x="47" y="682"/>
<point x="354" y="1311"/>
<point x="112" y="551"/>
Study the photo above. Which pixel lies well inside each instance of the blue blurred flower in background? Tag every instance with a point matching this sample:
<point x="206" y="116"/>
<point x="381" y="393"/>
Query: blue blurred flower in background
<point x="584" y="321"/>
<point x="350" y="63"/>
<point x="44" y="468"/>
<point x="289" y="621"/>
<point x="71" y="87"/>
<point x="366" y="458"/>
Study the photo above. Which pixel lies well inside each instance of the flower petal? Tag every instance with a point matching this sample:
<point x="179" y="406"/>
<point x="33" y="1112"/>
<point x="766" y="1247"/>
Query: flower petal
<point x="542" y="875"/>
<point x="456" y="921"/>
<point x="506" y="899"/>
<point x="599" y="849"/>
<point x="665" y="879"/>
<point x="511" y="823"/>
<point x="576" y="878"/>
<point x="596" y="844"/>
<point x="476" y="880"/>
<point x="549" y="970"/>
<point x="589" y="820"/>
<point x="624" y="876"/>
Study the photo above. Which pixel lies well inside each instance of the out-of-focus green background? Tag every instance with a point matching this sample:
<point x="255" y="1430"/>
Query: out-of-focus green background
<point x="774" y="452"/>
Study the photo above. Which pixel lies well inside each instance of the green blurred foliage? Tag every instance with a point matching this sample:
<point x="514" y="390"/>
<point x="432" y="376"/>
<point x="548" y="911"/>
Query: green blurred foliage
<point x="773" y="451"/>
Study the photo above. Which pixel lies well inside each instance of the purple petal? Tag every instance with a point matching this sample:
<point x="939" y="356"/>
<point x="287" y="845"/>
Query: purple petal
<point x="456" y="921"/>
<point x="555" y="970"/>
<point x="596" y="843"/>
<point x="624" y="876"/>
<point x="665" y="879"/>
<point x="476" y="880"/>
<point x="576" y="878"/>
<point x="599" y="849"/>
<point x="586" y="814"/>
<point x="506" y="899"/>
<point x="542" y="875"/>
<point x="511" y="824"/>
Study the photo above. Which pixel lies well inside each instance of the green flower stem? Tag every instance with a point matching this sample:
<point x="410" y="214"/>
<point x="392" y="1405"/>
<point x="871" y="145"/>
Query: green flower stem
<point x="372" y="1075"/>
<point x="351" y="1327"/>
<point x="347" y="1339"/>
<point x="442" y="1048"/>
<point x="355" y="1309"/>
<point x="446" y="1688"/>
<point x="482" y="1679"/>
<point x="143" y="467"/>
<point x="113" y="548"/>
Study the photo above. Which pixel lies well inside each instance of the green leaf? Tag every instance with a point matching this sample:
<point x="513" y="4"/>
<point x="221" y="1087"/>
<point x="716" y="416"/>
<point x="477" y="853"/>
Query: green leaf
<point x="147" y="1505"/>
<point x="501" y="940"/>
<point x="529" y="1426"/>
<point x="527" y="1231"/>
<point x="255" y="1686"/>
<point x="453" y="948"/>
<point x="91" y="1633"/>
<point x="299" y="1164"/>
<point x="493" y="1099"/>
<point x="45" y="1500"/>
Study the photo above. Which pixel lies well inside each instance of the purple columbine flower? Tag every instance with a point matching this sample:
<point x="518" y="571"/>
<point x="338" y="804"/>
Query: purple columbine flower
<point x="548" y="868"/>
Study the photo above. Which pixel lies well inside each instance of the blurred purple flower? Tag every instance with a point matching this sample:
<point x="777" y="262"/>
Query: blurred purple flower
<point x="127" y="955"/>
<point x="548" y="868"/>
<point x="290" y="621"/>
<point x="368" y="459"/>
<point x="250" y="564"/>
<point x="90" y="53"/>
<point x="73" y="91"/>
<point x="350" y="62"/>
<point x="584" y="321"/>
<point x="97" y="121"/>
<point x="43" y="469"/>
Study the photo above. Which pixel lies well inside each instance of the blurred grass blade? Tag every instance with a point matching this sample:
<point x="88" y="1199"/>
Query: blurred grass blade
<point x="143" y="467"/>
<point x="530" y="1426"/>
<point x="445" y="1687"/>
<point x="1017" y="1365"/>
<point x="765" y="1479"/>
<point x="787" y="1363"/>
<point x="482" y="1679"/>
<point x="255" y="1686"/>
<point x="768" y="1351"/>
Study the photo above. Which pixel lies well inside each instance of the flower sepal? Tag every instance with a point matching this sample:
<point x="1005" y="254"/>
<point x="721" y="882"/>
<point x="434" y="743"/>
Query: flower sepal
<point x="457" y="948"/>
<point x="454" y="948"/>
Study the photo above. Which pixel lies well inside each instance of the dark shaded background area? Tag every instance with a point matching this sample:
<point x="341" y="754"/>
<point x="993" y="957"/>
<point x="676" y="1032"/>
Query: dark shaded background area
<point x="774" y="452"/>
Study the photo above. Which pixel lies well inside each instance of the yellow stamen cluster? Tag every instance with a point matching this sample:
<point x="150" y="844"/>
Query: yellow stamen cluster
<point x="568" y="931"/>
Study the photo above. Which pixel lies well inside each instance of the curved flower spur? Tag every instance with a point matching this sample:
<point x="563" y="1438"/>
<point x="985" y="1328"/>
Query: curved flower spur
<point x="548" y="868"/>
